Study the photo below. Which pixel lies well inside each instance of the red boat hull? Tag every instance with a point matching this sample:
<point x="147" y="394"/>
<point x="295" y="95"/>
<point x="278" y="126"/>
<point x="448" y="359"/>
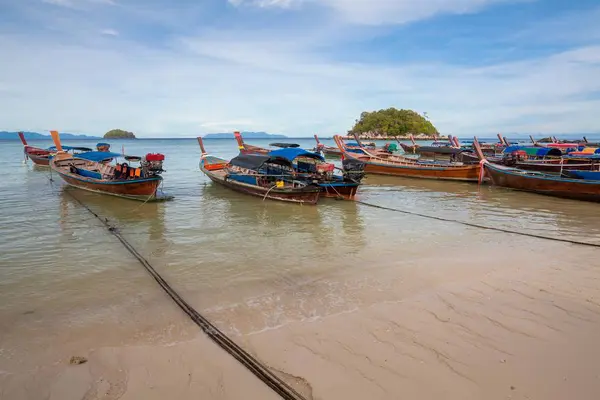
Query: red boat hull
<point x="37" y="156"/>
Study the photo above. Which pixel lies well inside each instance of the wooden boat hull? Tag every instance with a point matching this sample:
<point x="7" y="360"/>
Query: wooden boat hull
<point x="332" y="152"/>
<point x="39" y="160"/>
<point x="248" y="149"/>
<point x="410" y="149"/>
<point x="138" y="189"/>
<point x="337" y="190"/>
<point x="464" y="173"/>
<point x="577" y="189"/>
<point x="303" y="197"/>
<point x="37" y="156"/>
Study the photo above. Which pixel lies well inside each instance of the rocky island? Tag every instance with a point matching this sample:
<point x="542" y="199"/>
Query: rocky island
<point x="118" y="134"/>
<point x="392" y="123"/>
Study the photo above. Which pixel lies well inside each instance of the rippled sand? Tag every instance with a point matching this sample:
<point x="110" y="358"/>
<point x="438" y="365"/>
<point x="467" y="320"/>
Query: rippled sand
<point x="498" y="321"/>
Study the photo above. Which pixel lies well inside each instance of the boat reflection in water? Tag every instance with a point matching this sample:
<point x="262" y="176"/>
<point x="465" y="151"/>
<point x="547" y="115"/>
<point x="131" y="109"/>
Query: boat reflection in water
<point x="335" y="222"/>
<point x="142" y="224"/>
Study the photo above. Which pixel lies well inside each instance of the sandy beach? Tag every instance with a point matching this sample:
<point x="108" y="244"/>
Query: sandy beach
<point x="476" y="320"/>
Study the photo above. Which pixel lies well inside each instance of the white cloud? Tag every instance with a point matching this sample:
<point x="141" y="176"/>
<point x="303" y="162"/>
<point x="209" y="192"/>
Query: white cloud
<point x="222" y="83"/>
<point x="277" y="80"/>
<point x="375" y="12"/>
<point x="109" y="32"/>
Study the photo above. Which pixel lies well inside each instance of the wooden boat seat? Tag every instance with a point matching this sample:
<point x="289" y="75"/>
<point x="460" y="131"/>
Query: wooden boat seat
<point x="106" y="170"/>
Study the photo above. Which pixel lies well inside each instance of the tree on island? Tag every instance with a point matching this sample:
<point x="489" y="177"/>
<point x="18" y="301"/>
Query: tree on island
<point x="118" y="134"/>
<point x="393" y="122"/>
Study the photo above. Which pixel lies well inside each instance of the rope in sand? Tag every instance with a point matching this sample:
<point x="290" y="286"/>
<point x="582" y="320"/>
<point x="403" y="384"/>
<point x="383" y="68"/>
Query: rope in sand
<point x="255" y="366"/>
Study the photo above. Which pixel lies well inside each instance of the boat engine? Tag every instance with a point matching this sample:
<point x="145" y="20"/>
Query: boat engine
<point x="325" y="170"/>
<point x="512" y="158"/>
<point x="152" y="164"/>
<point x="353" y="170"/>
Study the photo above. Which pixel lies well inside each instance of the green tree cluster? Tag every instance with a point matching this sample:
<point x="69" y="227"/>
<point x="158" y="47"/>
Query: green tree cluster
<point x="393" y="122"/>
<point x="118" y="134"/>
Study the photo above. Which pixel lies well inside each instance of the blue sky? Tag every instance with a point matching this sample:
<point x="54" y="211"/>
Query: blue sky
<point x="182" y="68"/>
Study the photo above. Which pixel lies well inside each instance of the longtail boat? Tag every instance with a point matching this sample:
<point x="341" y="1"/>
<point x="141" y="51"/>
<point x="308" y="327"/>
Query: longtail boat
<point x="312" y="167"/>
<point x="564" y="146"/>
<point x="489" y="149"/>
<point x="284" y="145"/>
<point x="90" y="171"/>
<point x="544" y="159"/>
<point x="406" y="167"/>
<point x="577" y="186"/>
<point x="41" y="156"/>
<point x="248" y="148"/>
<point x="258" y="175"/>
<point x="330" y="151"/>
<point x="371" y="147"/>
<point x="435" y="148"/>
<point x="251" y="149"/>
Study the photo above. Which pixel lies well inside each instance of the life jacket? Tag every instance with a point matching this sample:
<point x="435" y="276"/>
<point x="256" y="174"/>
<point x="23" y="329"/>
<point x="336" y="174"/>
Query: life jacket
<point x="134" y="172"/>
<point x="121" y="170"/>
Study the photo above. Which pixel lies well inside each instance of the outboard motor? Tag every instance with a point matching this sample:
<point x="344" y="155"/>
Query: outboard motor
<point x="353" y="170"/>
<point x="325" y="170"/>
<point x="152" y="164"/>
<point x="512" y="158"/>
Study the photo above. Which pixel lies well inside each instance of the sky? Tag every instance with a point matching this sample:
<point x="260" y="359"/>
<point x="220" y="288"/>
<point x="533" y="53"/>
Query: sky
<point x="182" y="68"/>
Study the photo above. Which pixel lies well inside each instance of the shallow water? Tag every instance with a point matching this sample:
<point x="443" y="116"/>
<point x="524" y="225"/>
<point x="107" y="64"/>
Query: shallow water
<point x="60" y="268"/>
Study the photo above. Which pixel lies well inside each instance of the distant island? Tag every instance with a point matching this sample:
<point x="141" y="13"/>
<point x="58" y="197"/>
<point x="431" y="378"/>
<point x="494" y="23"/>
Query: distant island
<point x="119" y="134"/>
<point x="245" y="135"/>
<point x="393" y="123"/>
<point x="4" y="135"/>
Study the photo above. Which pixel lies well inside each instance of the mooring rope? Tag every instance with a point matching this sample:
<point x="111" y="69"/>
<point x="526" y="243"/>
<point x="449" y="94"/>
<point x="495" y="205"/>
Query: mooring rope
<point x="255" y="366"/>
<point x="472" y="225"/>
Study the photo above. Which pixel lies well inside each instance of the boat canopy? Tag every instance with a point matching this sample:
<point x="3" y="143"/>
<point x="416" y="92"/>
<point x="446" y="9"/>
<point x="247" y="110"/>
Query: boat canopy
<point x="53" y="148"/>
<point x="292" y="153"/>
<point x="284" y="145"/>
<point x="98" y="155"/>
<point x="256" y="161"/>
<point x="440" y="150"/>
<point x="534" y="151"/>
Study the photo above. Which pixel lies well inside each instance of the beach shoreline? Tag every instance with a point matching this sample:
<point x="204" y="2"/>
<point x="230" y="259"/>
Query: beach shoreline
<point x="511" y="328"/>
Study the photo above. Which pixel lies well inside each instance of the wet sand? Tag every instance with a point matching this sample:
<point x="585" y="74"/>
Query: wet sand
<point x="491" y="317"/>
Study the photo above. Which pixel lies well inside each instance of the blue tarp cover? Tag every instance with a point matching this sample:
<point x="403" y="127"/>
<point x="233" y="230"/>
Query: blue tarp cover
<point x="89" y="174"/>
<point x="537" y="151"/>
<point x="71" y="148"/>
<point x="292" y="152"/>
<point x="98" y="155"/>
